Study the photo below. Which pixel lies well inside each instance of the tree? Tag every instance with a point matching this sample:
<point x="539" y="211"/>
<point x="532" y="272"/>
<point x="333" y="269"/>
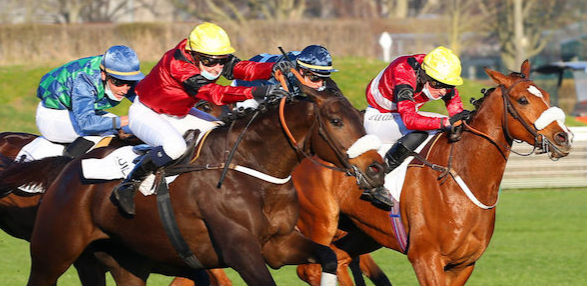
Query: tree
<point x="521" y="25"/>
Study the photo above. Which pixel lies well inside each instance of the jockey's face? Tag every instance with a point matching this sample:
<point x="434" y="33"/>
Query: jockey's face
<point x="118" y="87"/>
<point x="437" y="92"/>
<point x="212" y="65"/>
<point x="312" y="80"/>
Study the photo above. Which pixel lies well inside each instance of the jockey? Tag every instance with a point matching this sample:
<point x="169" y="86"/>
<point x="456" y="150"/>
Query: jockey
<point x="185" y="75"/>
<point x="314" y="64"/>
<point x="396" y="94"/>
<point x="75" y="95"/>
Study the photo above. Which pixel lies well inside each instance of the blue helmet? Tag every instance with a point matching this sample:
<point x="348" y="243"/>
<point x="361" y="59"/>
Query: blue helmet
<point x="316" y="59"/>
<point x="121" y="62"/>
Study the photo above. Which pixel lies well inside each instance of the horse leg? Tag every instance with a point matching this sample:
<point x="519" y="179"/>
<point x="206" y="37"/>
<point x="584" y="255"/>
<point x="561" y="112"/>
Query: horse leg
<point x="245" y="256"/>
<point x="355" y="267"/>
<point x="458" y="277"/>
<point x="89" y="270"/>
<point x="294" y="248"/>
<point x="429" y="269"/>
<point x="217" y="278"/>
<point x="372" y="270"/>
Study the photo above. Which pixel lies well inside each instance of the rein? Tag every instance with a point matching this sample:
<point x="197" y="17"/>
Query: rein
<point x="343" y="159"/>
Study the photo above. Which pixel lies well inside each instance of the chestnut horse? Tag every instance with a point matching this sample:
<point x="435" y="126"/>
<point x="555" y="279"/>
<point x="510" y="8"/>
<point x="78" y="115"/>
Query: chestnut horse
<point x="447" y="230"/>
<point x="259" y="215"/>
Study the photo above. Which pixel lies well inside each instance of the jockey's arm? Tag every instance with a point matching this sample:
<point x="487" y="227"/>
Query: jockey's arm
<point x="453" y="102"/>
<point x="82" y="107"/>
<point x="406" y="107"/>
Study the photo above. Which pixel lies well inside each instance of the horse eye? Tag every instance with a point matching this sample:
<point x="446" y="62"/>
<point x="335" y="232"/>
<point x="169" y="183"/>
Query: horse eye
<point x="336" y="122"/>
<point x="523" y="101"/>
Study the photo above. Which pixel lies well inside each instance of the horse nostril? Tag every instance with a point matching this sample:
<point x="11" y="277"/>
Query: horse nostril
<point x="375" y="168"/>
<point x="561" y="138"/>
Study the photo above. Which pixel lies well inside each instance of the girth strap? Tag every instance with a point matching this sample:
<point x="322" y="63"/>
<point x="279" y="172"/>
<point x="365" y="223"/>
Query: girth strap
<point x="170" y="225"/>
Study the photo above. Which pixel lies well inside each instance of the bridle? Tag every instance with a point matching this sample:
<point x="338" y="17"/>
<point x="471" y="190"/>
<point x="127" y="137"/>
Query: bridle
<point x="334" y="145"/>
<point x="541" y="143"/>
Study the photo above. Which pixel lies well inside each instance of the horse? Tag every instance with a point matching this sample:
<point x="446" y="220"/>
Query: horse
<point x="447" y="229"/>
<point x="260" y="215"/>
<point x="18" y="209"/>
<point x="359" y="266"/>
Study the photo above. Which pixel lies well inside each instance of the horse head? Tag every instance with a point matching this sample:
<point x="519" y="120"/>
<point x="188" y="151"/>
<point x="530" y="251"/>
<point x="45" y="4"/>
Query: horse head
<point x="338" y="136"/>
<point x="528" y="115"/>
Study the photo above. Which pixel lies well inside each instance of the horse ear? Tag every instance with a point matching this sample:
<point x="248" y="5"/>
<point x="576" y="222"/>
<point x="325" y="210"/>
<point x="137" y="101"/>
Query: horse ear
<point x="497" y="77"/>
<point x="525" y="69"/>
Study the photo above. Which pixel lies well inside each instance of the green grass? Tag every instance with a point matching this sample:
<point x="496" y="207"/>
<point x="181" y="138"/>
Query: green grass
<point x="539" y="239"/>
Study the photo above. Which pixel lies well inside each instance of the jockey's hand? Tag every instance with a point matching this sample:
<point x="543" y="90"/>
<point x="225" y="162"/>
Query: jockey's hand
<point x="463" y="115"/>
<point x="269" y="91"/>
<point x="228" y="69"/>
<point x="283" y="66"/>
<point x="123" y="135"/>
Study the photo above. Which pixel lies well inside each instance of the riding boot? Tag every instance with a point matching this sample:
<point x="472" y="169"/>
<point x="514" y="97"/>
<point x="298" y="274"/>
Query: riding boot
<point x="396" y="155"/>
<point x="402" y="149"/>
<point x="124" y="193"/>
<point x="379" y="197"/>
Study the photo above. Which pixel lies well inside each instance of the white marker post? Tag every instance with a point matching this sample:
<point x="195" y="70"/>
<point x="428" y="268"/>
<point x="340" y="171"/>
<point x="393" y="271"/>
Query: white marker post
<point x="385" y="41"/>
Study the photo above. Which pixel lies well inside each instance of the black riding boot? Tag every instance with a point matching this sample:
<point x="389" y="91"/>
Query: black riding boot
<point x="396" y="155"/>
<point x="123" y="194"/>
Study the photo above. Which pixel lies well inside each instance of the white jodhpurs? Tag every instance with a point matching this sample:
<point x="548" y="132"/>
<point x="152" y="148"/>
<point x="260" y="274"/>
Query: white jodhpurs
<point x="167" y="130"/>
<point x="55" y="125"/>
<point x="389" y="127"/>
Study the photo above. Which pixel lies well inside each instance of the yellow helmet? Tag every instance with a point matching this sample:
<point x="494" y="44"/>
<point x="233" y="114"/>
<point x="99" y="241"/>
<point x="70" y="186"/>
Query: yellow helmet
<point x="444" y="66"/>
<point x="210" y="39"/>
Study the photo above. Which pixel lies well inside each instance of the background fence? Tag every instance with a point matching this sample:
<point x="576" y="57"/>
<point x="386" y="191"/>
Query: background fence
<point x="537" y="171"/>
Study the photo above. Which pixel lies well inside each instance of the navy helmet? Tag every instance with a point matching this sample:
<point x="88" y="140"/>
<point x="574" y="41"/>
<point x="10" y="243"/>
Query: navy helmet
<point x="121" y="62"/>
<point x="316" y="59"/>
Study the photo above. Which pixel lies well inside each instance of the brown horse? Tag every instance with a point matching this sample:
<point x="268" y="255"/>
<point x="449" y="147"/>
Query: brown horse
<point x="259" y="215"/>
<point x="447" y="230"/>
<point x="18" y="211"/>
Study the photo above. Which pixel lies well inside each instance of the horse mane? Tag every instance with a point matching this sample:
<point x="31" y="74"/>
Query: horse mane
<point x="241" y="114"/>
<point x="38" y="173"/>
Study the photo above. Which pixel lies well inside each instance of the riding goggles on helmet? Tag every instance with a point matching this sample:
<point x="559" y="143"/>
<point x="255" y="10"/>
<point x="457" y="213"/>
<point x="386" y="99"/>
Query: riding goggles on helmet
<point x="119" y="82"/>
<point x="212" y="61"/>
<point x="315" y="77"/>
<point x="437" y="84"/>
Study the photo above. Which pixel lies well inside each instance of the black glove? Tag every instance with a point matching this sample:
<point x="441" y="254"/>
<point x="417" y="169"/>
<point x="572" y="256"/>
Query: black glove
<point x="284" y="66"/>
<point x="463" y="115"/>
<point x="268" y="91"/>
<point x="228" y="69"/>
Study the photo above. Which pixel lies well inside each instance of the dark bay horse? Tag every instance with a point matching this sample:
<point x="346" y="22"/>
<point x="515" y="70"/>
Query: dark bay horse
<point x="447" y="230"/>
<point x="244" y="225"/>
<point x="18" y="211"/>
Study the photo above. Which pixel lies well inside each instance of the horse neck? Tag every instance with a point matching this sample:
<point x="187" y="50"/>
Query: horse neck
<point x="481" y="161"/>
<point x="265" y="145"/>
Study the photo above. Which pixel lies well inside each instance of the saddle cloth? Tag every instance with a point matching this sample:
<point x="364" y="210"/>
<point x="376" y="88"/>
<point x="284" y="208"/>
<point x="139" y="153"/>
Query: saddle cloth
<point x="117" y="165"/>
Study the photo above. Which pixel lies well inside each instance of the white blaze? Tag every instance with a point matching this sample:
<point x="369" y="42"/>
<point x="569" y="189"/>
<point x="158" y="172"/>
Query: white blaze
<point x="364" y="144"/>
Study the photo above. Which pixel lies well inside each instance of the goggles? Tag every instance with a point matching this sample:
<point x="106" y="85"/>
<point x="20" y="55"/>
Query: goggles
<point x="437" y="84"/>
<point x="314" y="77"/>
<point x="210" y="62"/>
<point x="119" y="82"/>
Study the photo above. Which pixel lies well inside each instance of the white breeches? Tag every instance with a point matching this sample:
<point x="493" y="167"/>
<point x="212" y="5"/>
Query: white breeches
<point x="55" y="125"/>
<point x="389" y="127"/>
<point x="167" y="130"/>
